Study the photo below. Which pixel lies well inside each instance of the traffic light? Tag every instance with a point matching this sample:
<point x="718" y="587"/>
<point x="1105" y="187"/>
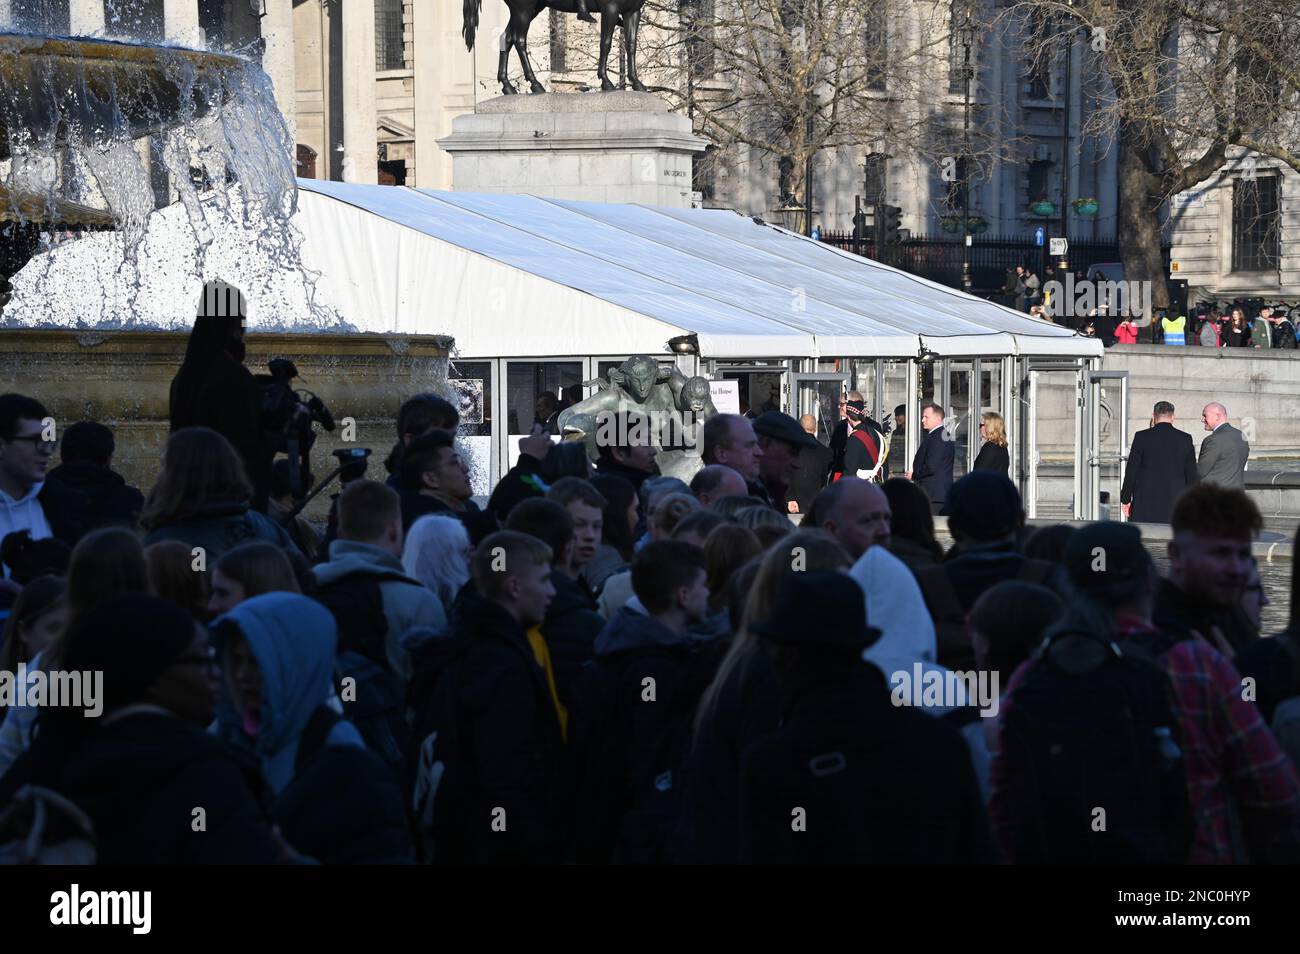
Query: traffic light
<point x="859" y="220"/>
<point x="890" y="219"/>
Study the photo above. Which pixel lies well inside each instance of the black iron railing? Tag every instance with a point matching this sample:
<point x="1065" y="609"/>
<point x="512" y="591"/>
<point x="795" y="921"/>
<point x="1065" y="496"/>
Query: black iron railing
<point x="991" y="257"/>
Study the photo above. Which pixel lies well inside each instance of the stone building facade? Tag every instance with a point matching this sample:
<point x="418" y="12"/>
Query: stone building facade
<point x="370" y="86"/>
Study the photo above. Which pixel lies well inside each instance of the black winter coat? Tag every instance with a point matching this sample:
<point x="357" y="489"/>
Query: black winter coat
<point x="225" y="398"/>
<point x="1179" y="612"/>
<point x="140" y="777"/>
<point x="608" y="467"/>
<point x="221" y="525"/>
<point x="478" y="523"/>
<point x="513" y="747"/>
<point x="344" y="806"/>
<point x="810" y="478"/>
<point x="876" y="784"/>
<point x="1161" y="465"/>
<point x="519" y="484"/>
<point x="570" y="629"/>
<point x="747" y="708"/>
<point x="108" y="501"/>
<point x="628" y="750"/>
<point x="993" y="457"/>
<point x="1274" y="664"/>
<point x="64" y="508"/>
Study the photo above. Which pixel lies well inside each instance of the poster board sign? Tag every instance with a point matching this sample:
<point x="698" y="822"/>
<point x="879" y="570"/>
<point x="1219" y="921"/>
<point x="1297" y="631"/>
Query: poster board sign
<point x="726" y="396"/>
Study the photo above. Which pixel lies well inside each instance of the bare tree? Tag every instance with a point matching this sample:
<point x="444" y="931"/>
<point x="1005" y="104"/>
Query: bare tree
<point x="795" y="79"/>
<point x="1180" y="82"/>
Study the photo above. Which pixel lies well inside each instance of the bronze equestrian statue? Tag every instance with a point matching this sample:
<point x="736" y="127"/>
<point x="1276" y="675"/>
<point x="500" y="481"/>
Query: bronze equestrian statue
<point x="625" y="13"/>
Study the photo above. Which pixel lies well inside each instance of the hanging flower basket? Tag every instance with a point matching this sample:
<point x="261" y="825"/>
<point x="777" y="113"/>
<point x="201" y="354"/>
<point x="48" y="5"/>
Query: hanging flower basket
<point x="950" y="223"/>
<point x="976" y="225"/>
<point x="1042" y="207"/>
<point x="1086" y="206"/>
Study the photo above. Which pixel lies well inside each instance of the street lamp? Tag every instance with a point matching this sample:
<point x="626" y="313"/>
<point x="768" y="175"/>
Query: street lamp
<point x="792" y="214"/>
<point x="967" y="40"/>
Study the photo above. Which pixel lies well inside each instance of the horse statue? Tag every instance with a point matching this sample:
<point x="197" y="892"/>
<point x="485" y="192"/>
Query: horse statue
<point x="624" y="13"/>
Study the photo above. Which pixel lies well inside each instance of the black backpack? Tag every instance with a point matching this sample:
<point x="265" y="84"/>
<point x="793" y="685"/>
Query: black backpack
<point x="639" y="822"/>
<point x="357" y="603"/>
<point x="375" y="703"/>
<point x="1092" y="731"/>
<point x="438" y="771"/>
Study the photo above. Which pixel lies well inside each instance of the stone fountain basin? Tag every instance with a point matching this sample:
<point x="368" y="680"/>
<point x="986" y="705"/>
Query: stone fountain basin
<point x="56" y="89"/>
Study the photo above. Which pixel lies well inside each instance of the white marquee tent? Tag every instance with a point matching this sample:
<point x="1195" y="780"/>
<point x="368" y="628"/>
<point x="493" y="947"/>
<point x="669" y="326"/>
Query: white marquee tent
<point x="519" y="275"/>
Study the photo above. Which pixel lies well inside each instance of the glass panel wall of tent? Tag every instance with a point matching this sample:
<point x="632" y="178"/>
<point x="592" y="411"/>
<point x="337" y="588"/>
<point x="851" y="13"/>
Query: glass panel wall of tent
<point x="1037" y="398"/>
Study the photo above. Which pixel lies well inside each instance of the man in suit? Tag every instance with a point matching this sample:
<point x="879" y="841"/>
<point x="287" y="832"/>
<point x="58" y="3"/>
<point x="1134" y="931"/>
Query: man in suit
<point x="1161" y="465"/>
<point x="932" y="465"/>
<point x="1224" y="452"/>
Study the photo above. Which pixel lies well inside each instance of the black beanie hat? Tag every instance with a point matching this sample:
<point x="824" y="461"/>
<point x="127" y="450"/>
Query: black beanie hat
<point x="131" y="640"/>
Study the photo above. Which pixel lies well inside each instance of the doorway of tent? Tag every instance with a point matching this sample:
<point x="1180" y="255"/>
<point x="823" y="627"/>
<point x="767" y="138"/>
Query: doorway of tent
<point x="759" y="386"/>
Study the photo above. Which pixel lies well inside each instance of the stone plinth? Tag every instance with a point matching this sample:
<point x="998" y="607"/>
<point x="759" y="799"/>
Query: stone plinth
<point x="122" y="379"/>
<point x="620" y="146"/>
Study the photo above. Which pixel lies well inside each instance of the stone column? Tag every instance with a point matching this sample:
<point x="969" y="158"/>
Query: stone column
<point x="280" y="58"/>
<point x="86" y="17"/>
<point x="360" y="122"/>
<point x="428" y="98"/>
<point x="6" y="14"/>
<point x="181" y="22"/>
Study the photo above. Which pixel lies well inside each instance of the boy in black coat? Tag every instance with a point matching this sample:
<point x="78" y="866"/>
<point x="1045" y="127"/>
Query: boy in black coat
<point x="497" y="796"/>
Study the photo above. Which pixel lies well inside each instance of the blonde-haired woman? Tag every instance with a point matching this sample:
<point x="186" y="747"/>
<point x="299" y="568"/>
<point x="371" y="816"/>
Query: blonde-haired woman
<point x="993" y="455"/>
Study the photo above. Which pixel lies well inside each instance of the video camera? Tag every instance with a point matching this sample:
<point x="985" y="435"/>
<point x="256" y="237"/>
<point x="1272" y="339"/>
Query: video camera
<point x="287" y="417"/>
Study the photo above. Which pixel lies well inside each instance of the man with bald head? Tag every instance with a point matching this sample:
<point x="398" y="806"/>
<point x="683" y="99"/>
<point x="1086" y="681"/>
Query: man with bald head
<point x="1223" y="452"/>
<point x="814" y="469"/>
<point x="853" y="511"/>
<point x="715" y="481"/>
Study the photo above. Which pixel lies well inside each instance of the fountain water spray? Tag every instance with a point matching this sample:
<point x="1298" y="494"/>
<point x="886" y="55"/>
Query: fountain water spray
<point x="94" y="123"/>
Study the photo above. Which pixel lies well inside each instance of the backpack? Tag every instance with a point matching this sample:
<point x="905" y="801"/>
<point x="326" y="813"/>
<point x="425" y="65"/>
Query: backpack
<point x="374" y="702"/>
<point x="357" y="603"/>
<point x="639" y="821"/>
<point x="438" y="770"/>
<point x="42" y="827"/>
<point x="1092" y="768"/>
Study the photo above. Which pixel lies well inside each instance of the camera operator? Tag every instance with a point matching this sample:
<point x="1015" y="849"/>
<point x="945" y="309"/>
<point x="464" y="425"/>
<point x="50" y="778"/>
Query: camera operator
<point x="214" y="389"/>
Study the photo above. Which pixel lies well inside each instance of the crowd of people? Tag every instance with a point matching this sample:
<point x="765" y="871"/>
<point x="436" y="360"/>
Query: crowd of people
<point x="1240" y="324"/>
<point x="603" y="665"/>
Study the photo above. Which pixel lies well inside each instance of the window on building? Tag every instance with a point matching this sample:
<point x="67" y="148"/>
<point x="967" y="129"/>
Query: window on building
<point x="390" y="40"/>
<point x="704" y="172"/>
<point x="1038" y="61"/>
<point x="875" y="181"/>
<point x="1040" y="172"/>
<point x="877" y="45"/>
<point x="1256" y="224"/>
<point x="559" y="42"/>
<point x="697" y="19"/>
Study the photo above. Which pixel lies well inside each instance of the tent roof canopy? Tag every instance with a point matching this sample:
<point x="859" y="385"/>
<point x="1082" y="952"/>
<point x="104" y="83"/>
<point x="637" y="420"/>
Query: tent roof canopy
<point x="521" y="275"/>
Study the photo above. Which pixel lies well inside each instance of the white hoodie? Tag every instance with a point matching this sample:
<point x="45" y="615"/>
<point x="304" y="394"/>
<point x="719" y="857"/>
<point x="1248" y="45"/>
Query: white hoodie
<point x="896" y="607"/>
<point x="24" y="514"/>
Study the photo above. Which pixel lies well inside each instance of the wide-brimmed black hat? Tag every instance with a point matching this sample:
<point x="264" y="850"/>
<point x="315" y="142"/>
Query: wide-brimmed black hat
<point x="818" y="609"/>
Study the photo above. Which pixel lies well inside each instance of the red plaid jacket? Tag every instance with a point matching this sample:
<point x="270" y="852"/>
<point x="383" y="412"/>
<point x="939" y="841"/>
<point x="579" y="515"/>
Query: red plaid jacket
<point x="1227" y="748"/>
